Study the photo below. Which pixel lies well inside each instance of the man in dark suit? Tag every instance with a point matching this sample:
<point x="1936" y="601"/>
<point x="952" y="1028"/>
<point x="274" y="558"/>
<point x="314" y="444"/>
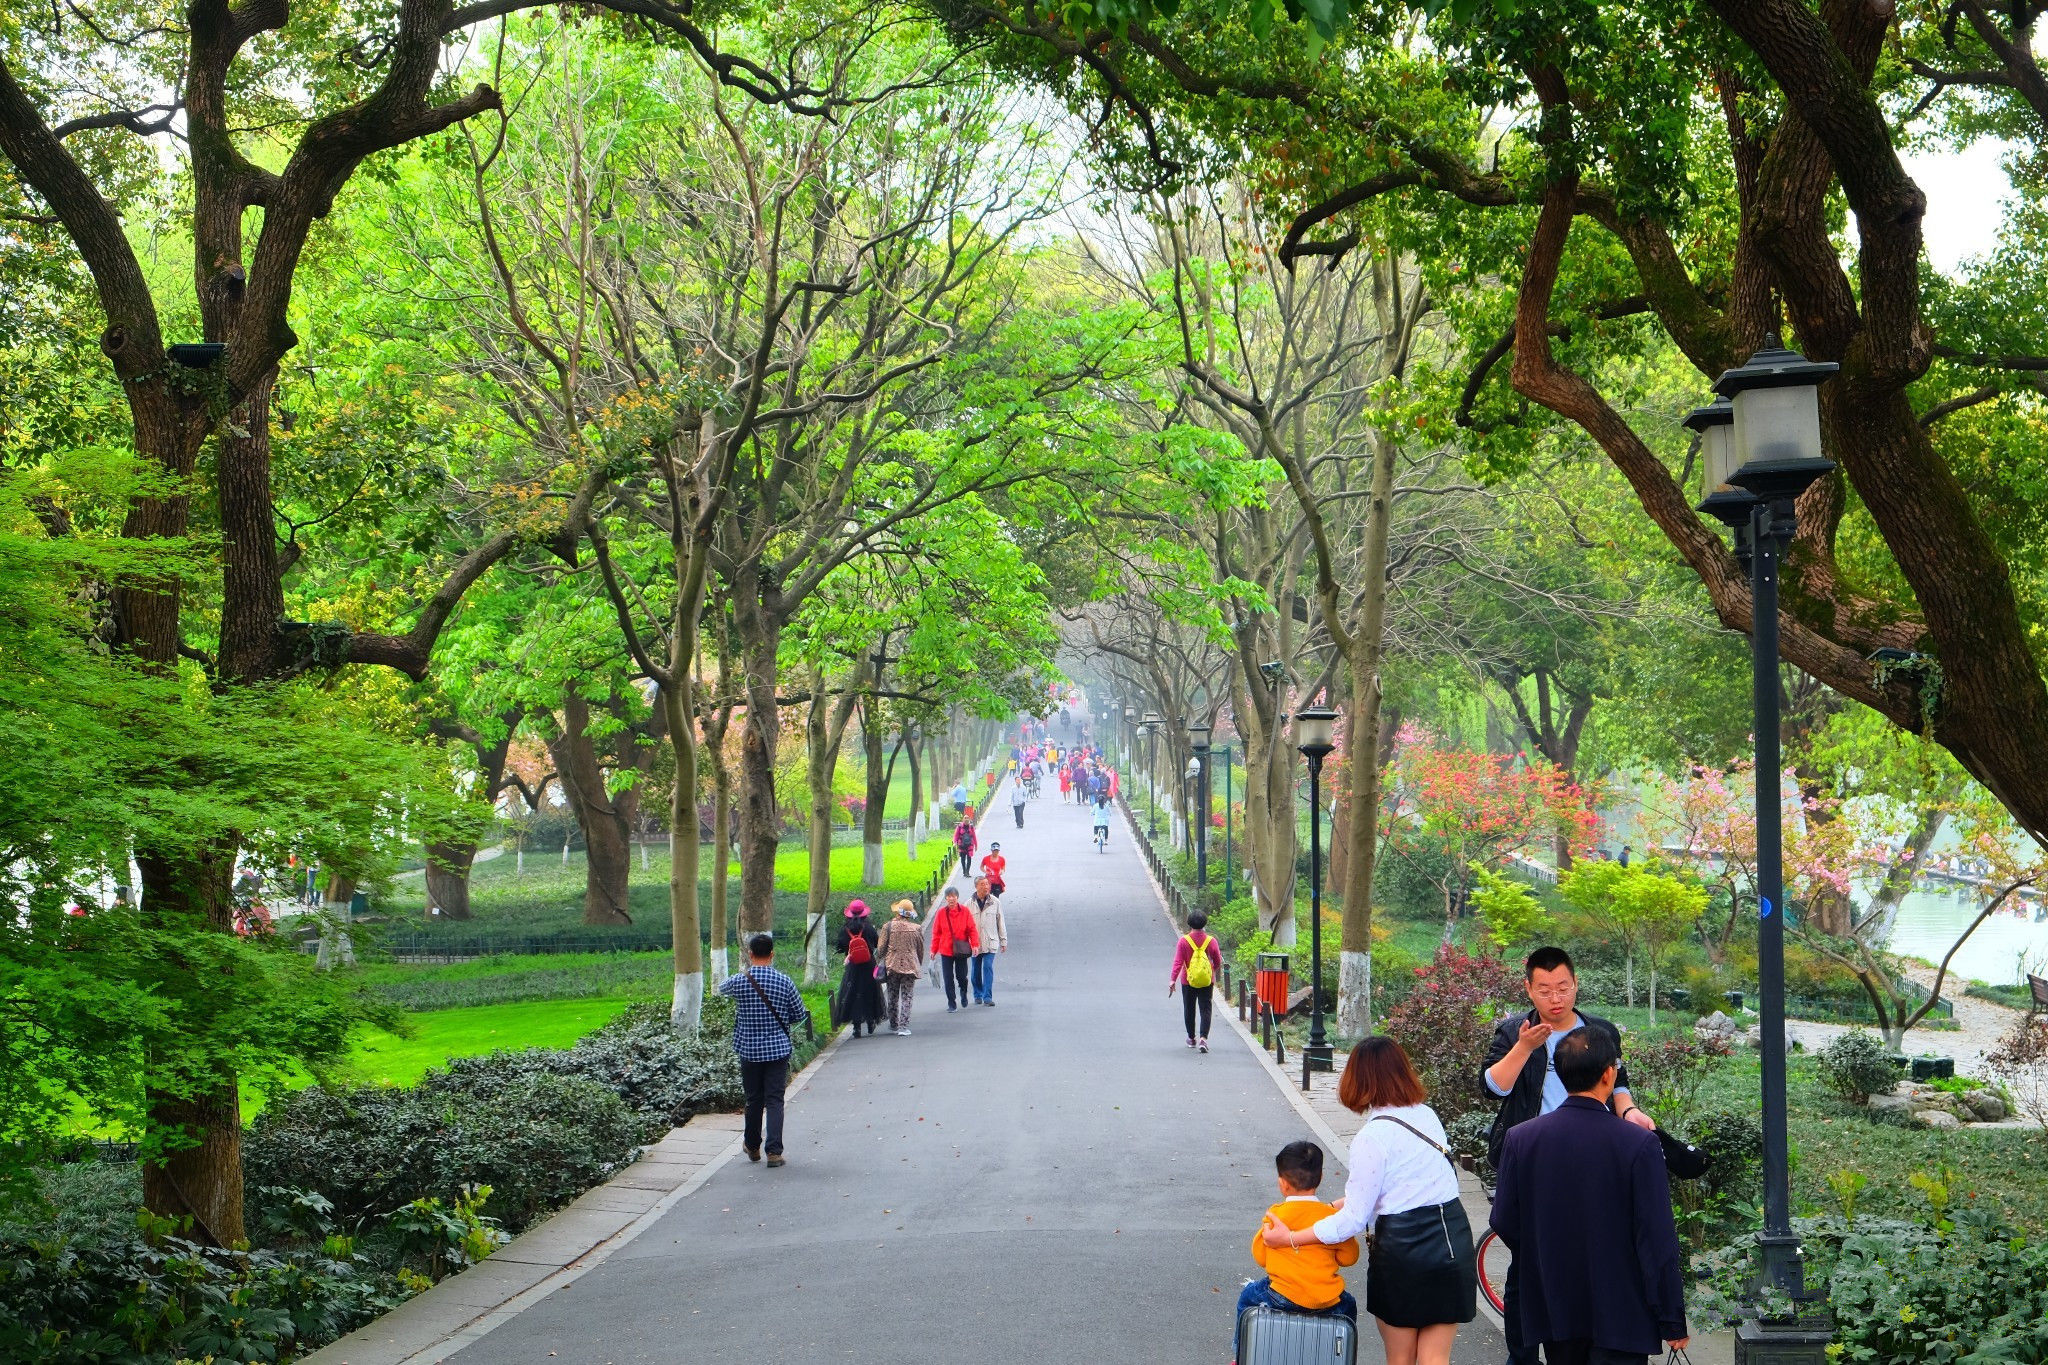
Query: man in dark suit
<point x="1585" y="1205"/>
<point x="1519" y="1071"/>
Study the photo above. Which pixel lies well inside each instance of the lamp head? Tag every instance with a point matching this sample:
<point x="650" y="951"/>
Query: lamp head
<point x="1776" y="400"/>
<point x="1724" y="502"/>
<point x="1198" y="735"/>
<point x="1315" y="731"/>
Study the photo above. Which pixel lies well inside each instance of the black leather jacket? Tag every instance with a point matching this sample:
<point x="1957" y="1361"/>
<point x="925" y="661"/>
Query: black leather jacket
<point x="1525" y="1100"/>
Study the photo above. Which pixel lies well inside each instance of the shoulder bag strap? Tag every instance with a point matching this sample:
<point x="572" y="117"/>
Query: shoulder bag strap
<point x="776" y="1014"/>
<point x="1442" y="1150"/>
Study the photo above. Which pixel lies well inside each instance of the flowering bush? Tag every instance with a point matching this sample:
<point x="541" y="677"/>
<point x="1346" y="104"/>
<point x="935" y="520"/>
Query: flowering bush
<point x="1445" y="1021"/>
<point x="1473" y="809"/>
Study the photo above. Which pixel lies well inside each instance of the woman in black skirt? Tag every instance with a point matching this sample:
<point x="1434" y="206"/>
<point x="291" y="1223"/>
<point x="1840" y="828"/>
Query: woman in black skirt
<point x="859" y="1001"/>
<point x="1422" y="1279"/>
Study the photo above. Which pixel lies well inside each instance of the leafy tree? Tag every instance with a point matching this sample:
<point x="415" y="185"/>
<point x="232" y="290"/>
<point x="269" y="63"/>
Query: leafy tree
<point x="1626" y="218"/>
<point x="1510" y="910"/>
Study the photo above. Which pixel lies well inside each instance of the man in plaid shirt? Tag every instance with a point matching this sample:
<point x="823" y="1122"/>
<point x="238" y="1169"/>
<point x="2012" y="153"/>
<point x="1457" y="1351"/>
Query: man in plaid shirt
<point x="766" y="1007"/>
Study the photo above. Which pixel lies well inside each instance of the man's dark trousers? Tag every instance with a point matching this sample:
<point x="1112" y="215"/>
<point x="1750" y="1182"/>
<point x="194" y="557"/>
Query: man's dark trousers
<point x="1586" y="1353"/>
<point x="1519" y="1352"/>
<point x="764" y="1084"/>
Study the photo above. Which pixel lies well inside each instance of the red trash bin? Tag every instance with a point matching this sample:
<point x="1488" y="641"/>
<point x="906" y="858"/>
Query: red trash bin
<point x="1273" y="983"/>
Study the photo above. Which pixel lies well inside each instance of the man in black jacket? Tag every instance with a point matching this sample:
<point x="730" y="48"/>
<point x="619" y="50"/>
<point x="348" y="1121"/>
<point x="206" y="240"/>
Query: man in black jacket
<point x="1585" y="1205"/>
<point x="1519" y="1072"/>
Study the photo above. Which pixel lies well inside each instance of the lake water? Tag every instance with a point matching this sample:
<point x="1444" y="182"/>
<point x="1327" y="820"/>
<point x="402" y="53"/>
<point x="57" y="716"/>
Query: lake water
<point x="2001" y="952"/>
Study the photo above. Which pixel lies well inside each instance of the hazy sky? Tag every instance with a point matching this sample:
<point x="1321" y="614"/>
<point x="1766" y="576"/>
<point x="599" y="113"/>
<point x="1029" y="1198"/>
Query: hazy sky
<point x="1966" y="194"/>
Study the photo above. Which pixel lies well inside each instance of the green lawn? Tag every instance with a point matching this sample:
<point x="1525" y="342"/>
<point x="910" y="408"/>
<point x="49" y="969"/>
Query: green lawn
<point x="793" y="869"/>
<point x="381" y="1058"/>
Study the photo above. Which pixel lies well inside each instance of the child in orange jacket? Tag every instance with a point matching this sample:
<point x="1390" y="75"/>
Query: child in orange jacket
<point x="1304" y="1279"/>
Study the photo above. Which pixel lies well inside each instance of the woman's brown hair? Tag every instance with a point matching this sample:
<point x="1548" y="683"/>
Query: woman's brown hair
<point x="1378" y="1075"/>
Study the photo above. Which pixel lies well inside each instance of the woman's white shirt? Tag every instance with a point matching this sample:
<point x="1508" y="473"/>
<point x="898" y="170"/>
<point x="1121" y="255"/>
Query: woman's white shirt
<point x="1392" y="1171"/>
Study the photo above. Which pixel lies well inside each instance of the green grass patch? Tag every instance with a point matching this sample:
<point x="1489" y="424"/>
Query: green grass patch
<point x="899" y="869"/>
<point x="381" y="1058"/>
<point x="509" y="978"/>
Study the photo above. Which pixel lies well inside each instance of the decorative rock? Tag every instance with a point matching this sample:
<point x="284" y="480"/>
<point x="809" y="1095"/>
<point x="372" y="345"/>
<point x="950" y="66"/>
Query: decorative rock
<point x="1939" y="1119"/>
<point x="1892" y="1104"/>
<point x="1716" y="1022"/>
<point x="1984" y="1106"/>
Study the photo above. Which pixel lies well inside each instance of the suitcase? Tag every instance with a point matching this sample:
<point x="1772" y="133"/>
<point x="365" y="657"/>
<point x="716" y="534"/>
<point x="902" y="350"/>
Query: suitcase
<point x="1267" y="1336"/>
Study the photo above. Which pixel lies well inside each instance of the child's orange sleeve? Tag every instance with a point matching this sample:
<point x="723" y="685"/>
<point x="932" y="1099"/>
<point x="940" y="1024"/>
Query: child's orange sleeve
<point x="1259" y="1244"/>
<point x="1347" y="1251"/>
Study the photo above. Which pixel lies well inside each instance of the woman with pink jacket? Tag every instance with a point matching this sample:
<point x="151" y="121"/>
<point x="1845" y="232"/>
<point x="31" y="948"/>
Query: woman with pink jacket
<point x="1196" y="999"/>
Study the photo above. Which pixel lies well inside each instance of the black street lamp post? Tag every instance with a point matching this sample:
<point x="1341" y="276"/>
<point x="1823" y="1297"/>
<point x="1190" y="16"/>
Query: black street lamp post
<point x="1762" y="449"/>
<point x="1314" y="734"/>
<point x="1150" y="726"/>
<point x="1198" y="766"/>
<point x="1123" y="745"/>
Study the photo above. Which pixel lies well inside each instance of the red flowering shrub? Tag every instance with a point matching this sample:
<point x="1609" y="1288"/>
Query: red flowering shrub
<point x="1446" y="1020"/>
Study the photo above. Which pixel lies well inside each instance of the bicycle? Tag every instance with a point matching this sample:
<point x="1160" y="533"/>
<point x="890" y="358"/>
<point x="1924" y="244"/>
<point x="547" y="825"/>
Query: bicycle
<point x="1493" y="1257"/>
<point x="1102" y="838"/>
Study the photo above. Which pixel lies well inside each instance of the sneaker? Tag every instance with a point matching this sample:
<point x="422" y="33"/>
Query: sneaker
<point x="1191" y="1042"/>
<point x="990" y="1003"/>
<point x="777" y="1160"/>
<point x="952" y="1009"/>
<point x="903" y="1033"/>
<point x="753" y="1153"/>
<point x="1201" y="1045"/>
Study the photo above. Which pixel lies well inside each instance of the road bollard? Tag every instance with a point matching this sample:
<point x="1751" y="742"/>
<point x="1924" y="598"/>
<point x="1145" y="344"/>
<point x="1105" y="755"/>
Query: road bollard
<point x="1240" y="1000"/>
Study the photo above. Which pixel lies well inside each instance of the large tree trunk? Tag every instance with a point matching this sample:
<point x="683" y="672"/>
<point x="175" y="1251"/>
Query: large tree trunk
<point x="914" y="829"/>
<point x="449" y="861"/>
<point x="605" y="826"/>
<point x="760" y="821"/>
<point x="448" y="866"/>
<point x="204" y="1180"/>
<point x="686" y="1001"/>
<point x="872" y="858"/>
<point x="721" y="846"/>
<point x="1362" y="751"/>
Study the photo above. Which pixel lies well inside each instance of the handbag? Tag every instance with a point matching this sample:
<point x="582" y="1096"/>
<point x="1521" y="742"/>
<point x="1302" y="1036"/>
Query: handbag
<point x="1682" y="1160"/>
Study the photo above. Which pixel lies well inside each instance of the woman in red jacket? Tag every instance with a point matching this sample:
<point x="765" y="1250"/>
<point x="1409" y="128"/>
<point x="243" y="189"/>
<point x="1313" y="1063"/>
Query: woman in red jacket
<point x="954" y="940"/>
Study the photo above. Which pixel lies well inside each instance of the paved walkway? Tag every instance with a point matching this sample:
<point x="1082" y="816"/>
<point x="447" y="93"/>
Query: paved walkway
<point x="1055" y="1179"/>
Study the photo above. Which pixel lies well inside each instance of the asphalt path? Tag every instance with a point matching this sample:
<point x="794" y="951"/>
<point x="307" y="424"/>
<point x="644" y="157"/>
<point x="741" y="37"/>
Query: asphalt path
<point x="1058" y="1178"/>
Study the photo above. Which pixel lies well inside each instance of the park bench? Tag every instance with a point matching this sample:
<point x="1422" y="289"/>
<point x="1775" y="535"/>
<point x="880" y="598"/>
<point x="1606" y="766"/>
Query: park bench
<point x="2039" y="985"/>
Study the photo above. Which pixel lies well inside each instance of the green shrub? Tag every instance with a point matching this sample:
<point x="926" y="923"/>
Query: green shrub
<point x="1466" y="1136"/>
<point x="1902" y="1292"/>
<point x="637" y="1057"/>
<point x="149" y="1298"/>
<point x="1235" y="922"/>
<point x="1733" y="1140"/>
<point x="539" y="1139"/>
<point x="1855" y="1066"/>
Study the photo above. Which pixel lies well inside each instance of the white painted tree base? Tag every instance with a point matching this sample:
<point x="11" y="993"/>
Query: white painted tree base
<point x="721" y="963"/>
<point x="817" y="971"/>
<point x="871" y="863"/>
<point x="1354" y="994"/>
<point x="686" y="1010"/>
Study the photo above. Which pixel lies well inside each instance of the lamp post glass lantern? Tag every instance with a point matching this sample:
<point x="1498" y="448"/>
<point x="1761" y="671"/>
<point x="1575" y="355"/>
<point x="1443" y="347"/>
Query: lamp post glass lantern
<point x="1760" y="457"/>
<point x="1315" y="730"/>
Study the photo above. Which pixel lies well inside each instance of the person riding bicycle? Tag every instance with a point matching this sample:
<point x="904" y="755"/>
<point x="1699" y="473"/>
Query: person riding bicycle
<point x="1102" y="821"/>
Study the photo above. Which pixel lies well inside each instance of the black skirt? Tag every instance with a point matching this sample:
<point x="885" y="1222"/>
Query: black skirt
<point x="1421" y="1270"/>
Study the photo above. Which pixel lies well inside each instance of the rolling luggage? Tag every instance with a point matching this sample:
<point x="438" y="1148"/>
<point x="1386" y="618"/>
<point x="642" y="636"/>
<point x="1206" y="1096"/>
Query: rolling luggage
<point x="1267" y="1336"/>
